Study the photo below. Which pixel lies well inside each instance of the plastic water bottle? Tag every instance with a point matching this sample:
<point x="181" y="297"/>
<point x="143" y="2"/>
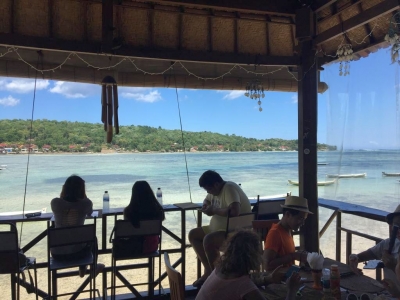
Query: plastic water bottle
<point x="106" y="201"/>
<point x="159" y="196"/>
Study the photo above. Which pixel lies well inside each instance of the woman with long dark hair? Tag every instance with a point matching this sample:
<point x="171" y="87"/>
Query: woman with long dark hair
<point x="144" y="206"/>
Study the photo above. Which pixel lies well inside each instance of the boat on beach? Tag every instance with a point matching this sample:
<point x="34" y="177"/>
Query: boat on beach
<point x="390" y="174"/>
<point x="319" y="183"/>
<point x="360" y="175"/>
<point x="15" y="213"/>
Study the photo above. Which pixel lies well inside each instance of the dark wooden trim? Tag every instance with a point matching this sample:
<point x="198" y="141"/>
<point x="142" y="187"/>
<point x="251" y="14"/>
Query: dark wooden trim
<point x="85" y="21"/>
<point x="236" y="34"/>
<point x="307" y="127"/>
<point x="358" y="20"/>
<point x="12" y="15"/>
<point x="107" y="24"/>
<point x="321" y="4"/>
<point x="180" y="29"/>
<point x="281" y="7"/>
<point x="151" y="27"/>
<point x="50" y="16"/>
<point x="153" y="53"/>
<point x="210" y="32"/>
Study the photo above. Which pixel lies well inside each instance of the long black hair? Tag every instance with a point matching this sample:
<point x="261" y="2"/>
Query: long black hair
<point x="73" y="189"/>
<point x="143" y="205"/>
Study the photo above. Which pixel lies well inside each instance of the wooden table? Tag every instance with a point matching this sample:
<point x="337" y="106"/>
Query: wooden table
<point x="349" y="284"/>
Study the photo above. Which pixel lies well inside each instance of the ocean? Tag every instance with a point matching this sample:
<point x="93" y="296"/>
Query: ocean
<point x="259" y="173"/>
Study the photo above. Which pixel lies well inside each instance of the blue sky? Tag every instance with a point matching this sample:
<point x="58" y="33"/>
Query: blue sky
<point x="357" y="111"/>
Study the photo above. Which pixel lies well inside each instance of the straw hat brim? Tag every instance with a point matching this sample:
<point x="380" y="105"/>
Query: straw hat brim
<point x="305" y="209"/>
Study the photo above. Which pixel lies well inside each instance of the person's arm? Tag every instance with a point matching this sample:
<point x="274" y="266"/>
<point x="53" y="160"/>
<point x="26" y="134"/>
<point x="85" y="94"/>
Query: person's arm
<point x="233" y="210"/>
<point x="89" y="207"/>
<point x="293" y="284"/>
<point x="254" y="295"/>
<point x="354" y="259"/>
<point x="272" y="261"/>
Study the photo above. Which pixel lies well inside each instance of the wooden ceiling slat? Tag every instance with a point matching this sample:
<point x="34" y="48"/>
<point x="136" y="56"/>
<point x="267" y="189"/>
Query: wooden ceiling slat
<point x="281" y="7"/>
<point x="162" y="54"/>
<point x="358" y="20"/>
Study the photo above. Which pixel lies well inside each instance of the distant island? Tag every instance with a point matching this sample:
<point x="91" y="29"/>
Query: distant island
<point x="62" y="136"/>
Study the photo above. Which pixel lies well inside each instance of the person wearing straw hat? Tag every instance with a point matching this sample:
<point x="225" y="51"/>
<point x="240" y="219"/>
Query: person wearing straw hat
<point x="279" y="245"/>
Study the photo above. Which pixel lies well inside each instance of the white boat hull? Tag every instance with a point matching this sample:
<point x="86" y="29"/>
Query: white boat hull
<point x="360" y="175"/>
<point x="319" y="183"/>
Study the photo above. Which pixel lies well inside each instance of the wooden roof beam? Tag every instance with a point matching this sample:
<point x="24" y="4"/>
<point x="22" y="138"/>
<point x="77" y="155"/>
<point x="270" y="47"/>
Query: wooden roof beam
<point x="362" y="18"/>
<point x="281" y="7"/>
<point x="319" y="5"/>
<point x="39" y="43"/>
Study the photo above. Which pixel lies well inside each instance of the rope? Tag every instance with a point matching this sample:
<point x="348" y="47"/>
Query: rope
<point x="183" y="139"/>
<point x="29" y="152"/>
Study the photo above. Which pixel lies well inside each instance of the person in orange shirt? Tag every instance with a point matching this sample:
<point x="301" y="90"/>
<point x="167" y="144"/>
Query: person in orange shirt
<point x="279" y="244"/>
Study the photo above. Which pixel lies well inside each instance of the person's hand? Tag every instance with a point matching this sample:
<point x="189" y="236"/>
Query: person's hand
<point x="276" y="276"/>
<point x="208" y="210"/>
<point x="353" y="263"/>
<point x="293" y="284"/>
<point x="391" y="287"/>
<point x="388" y="260"/>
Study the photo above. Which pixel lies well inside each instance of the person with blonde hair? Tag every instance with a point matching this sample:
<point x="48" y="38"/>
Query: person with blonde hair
<point x="144" y="206"/>
<point x="230" y="280"/>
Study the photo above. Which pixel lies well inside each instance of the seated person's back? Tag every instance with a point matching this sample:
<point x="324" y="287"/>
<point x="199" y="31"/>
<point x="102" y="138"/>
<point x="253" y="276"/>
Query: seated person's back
<point x="144" y="206"/>
<point x="71" y="209"/>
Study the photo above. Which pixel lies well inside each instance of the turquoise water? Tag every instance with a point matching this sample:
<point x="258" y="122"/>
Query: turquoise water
<point x="263" y="173"/>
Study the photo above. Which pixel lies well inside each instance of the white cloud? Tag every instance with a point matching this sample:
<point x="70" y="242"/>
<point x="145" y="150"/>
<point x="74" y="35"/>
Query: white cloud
<point x="295" y="98"/>
<point x="141" y="94"/>
<point x="230" y="95"/>
<point x="22" y="86"/>
<point x="75" y="90"/>
<point x="9" y="101"/>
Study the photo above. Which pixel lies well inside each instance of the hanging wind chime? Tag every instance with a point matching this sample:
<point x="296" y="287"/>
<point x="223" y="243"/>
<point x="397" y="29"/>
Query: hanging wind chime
<point x="109" y="106"/>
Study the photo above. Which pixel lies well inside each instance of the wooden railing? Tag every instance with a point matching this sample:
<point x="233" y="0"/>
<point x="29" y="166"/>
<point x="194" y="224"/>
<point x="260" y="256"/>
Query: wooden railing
<point x="339" y="208"/>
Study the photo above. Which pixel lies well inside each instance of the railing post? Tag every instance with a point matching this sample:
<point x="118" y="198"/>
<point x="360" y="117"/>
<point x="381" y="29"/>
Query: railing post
<point x="199" y="223"/>
<point x="338" y="236"/>
<point x="349" y="237"/>
<point x="378" y="271"/>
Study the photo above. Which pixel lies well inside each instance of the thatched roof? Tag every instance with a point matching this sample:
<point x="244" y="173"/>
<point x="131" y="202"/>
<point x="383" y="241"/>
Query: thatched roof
<point x="207" y="37"/>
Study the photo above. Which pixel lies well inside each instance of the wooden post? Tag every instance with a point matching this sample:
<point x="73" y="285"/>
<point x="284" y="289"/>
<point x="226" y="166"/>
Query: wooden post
<point x="107" y="25"/>
<point x="307" y="126"/>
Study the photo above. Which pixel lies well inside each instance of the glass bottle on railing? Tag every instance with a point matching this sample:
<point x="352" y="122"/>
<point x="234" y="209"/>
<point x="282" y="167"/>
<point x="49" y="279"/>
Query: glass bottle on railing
<point x="159" y="196"/>
<point x="106" y="202"/>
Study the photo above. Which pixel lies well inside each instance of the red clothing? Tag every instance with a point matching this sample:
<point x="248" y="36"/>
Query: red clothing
<point x="280" y="241"/>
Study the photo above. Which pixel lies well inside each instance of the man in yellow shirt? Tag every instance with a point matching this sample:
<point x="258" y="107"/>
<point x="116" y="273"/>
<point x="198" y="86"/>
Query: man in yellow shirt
<point x="223" y="198"/>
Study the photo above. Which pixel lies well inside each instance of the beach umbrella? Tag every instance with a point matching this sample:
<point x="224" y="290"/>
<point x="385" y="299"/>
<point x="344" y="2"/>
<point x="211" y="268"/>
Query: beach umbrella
<point x="109" y="106"/>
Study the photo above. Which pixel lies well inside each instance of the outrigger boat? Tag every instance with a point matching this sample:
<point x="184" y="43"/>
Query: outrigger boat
<point x="3" y="167"/>
<point x="360" y="175"/>
<point x="390" y="174"/>
<point x="319" y="183"/>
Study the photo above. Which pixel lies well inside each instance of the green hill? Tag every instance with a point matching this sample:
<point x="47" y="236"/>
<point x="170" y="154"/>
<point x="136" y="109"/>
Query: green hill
<point x="79" y="136"/>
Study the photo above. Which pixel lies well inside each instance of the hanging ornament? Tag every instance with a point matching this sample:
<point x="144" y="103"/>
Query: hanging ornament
<point x="255" y="90"/>
<point x="345" y="55"/>
<point x="109" y="106"/>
